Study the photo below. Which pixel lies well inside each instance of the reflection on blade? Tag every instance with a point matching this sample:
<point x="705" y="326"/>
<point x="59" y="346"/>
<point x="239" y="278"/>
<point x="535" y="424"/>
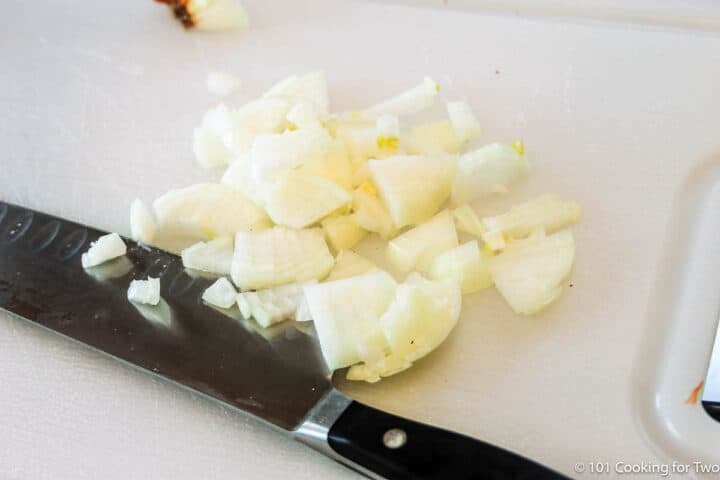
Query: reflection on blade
<point x="278" y="375"/>
<point x="288" y="330"/>
<point x="118" y="267"/>
<point x="159" y="314"/>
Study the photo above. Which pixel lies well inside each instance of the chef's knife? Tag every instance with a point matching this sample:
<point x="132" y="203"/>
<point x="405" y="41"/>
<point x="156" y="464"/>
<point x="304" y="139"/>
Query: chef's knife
<point x="276" y="374"/>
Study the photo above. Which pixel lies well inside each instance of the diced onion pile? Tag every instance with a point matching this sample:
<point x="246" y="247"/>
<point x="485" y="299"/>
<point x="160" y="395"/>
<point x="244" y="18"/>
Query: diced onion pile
<point x="303" y="186"/>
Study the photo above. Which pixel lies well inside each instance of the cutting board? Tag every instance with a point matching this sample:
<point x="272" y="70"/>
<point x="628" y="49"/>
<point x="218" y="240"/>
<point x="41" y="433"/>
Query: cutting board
<point x="98" y="101"/>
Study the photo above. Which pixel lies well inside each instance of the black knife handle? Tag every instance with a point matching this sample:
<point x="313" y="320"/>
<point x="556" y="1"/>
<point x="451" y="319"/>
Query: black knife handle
<point x="360" y="435"/>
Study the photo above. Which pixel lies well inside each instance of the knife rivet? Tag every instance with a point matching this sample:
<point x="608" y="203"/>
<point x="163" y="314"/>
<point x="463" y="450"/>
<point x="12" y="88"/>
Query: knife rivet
<point x="394" y="438"/>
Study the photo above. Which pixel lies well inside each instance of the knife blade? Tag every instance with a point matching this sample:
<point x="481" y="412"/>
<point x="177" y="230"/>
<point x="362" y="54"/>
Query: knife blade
<point x="276" y="374"/>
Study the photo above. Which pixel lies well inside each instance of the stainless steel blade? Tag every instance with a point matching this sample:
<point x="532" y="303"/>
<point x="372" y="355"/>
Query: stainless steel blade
<point x="277" y="374"/>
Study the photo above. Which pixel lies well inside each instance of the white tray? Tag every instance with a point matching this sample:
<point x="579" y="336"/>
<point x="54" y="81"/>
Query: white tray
<point x="98" y="101"/>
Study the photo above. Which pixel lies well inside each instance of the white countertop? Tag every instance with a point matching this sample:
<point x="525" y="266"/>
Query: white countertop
<point x="97" y="103"/>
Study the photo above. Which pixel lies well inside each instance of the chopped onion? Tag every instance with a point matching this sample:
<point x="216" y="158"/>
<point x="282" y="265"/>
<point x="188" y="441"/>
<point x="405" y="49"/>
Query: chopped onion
<point x="370" y="213"/>
<point x="291" y="165"/>
<point x="388" y="135"/>
<point x="143" y="226"/>
<point x="416" y="248"/>
<point x="272" y="155"/>
<point x="350" y="264"/>
<point x="177" y="235"/>
<point x="529" y="272"/>
<point x="388" y="126"/>
<point x="361" y="176"/>
<point x="488" y="170"/>
<point x="237" y="176"/>
<point x="145" y="291"/>
<point x="467" y="221"/>
<point x="334" y="165"/>
<point x="342" y="232"/>
<point x="305" y="114"/>
<point x="421" y="316"/>
<point x="463" y="121"/>
<point x="465" y="265"/>
<point x="214" y="256"/>
<point x="220" y="294"/>
<point x="262" y="116"/>
<point x="218" y="210"/>
<point x="548" y="212"/>
<point x="103" y="249"/>
<point x="413" y="187"/>
<point x="360" y="139"/>
<point x="274" y="305"/>
<point x="494" y="241"/>
<point x="299" y="200"/>
<point x="432" y="138"/>
<point x="346" y="314"/>
<point x="208" y="146"/>
<point x="280" y="255"/>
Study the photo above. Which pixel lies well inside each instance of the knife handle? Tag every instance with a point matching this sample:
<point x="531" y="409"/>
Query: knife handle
<point x="397" y="448"/>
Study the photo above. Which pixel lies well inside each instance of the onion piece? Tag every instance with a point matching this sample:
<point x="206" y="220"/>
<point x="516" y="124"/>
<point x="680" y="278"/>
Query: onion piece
<point x="342" y="232"/>
<point x="216" y="209"/>
<point x="548" y="212"/>
<point x="346" y="314"/>
<point x="143" y="226"/>
<point x="529" y="272"/>
<point x="370" y="213"/>
<point x="465" y="265"/>
<point x="176" y="235"/>
<point x="334" y="165"/>
<point x="349" y="264"/>
<point x="214" y="256"/>
<point x="262" y="116"/>
<point x="208" y="146"/>
<point x="103" y="249"/>
<point x="487" y="170"/>
<point x="432" y="138"/>
<point x="388" y="135"/>
<point x="421" y="316"/>
<point x="464" y="123"/>
<point x="146" y="292"/>
<point x="360" y="139"/>
<point x="305" y="114"/>
<point x="466" y="220"/>
<point x="220" y="294"/>
<point x="413" y="187"/>
<point x="237" y="176"/>
<point x="274" y="305"/>
<point x="416" y="248"/>
<point x="273" y="155"/>
<point x="298" y="200"/>
<point x="279" y="255"/>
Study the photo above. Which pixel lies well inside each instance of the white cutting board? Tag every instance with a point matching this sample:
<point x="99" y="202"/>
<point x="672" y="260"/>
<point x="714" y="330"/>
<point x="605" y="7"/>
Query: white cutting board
<point x="97" y="102"/>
